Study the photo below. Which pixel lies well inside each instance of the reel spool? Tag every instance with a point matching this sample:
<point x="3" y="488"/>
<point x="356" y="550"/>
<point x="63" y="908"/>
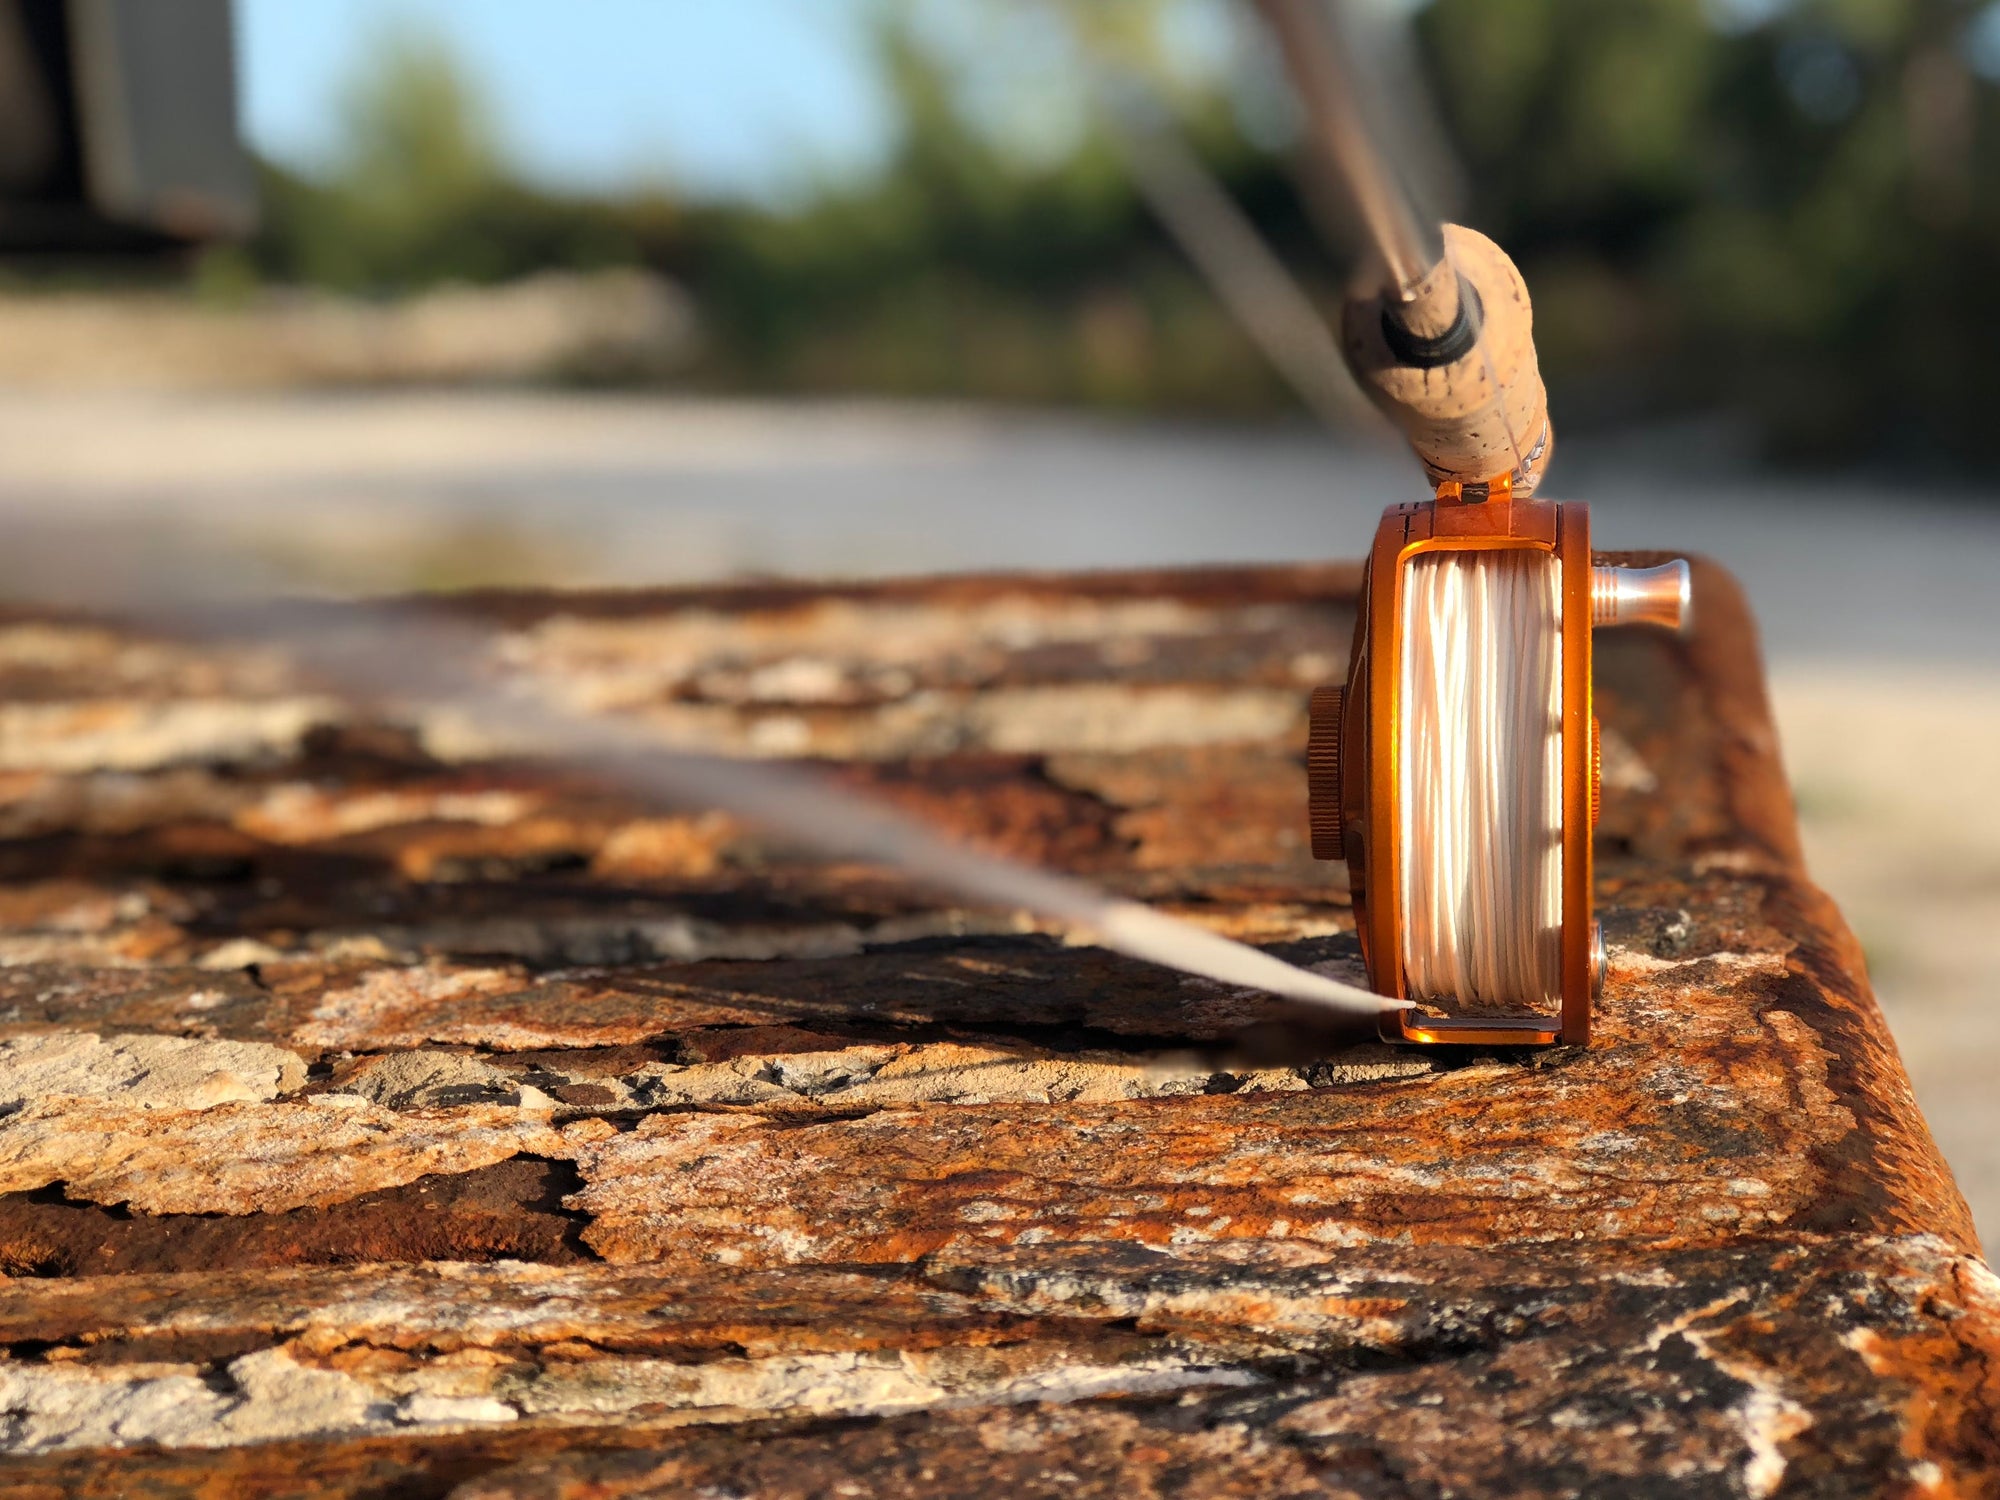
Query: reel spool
<point x="1458" y="770"/>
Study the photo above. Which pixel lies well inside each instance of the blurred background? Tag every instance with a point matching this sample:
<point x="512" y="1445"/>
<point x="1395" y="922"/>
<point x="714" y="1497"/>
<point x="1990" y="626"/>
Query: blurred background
<point x="438" y="293"/>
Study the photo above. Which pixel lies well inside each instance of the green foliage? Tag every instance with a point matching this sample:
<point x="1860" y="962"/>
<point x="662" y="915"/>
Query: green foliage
<point x="421" y="194"/>
<point x="1797" y="220"/>
<point x="960" y="268"/>
<point x="963" y="269"/>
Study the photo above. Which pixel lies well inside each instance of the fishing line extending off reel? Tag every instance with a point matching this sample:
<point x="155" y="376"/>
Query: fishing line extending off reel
<point x="1458" y="770"/>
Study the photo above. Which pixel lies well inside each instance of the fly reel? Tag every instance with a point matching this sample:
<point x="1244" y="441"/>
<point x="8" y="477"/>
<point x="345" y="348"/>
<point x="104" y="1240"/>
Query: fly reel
<point x="1458" y="771"/>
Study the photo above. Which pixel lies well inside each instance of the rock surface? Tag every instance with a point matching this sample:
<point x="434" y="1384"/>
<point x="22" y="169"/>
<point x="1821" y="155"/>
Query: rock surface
<point x="382" y="1113"/>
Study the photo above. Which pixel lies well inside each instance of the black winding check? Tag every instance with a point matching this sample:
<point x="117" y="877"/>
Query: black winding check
<point x="1448" y="347"/>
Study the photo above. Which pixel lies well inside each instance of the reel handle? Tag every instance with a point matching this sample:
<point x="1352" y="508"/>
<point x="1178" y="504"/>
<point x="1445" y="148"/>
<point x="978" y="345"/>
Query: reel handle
<point x="1661" y="596"/>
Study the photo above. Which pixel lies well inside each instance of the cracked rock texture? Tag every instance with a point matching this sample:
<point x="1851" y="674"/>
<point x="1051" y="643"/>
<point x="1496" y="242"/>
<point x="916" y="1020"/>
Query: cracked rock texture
<point x="383" y="1113"/>
<point x="153" y="1072"/>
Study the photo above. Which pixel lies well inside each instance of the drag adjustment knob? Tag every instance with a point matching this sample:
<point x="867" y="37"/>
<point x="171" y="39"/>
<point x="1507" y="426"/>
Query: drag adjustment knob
<point x="1323" y="772"/>
<point x="1596" y="771"/>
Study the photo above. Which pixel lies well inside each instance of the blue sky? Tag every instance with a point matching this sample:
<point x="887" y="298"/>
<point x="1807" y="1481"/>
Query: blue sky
<point x="734" y="96"/>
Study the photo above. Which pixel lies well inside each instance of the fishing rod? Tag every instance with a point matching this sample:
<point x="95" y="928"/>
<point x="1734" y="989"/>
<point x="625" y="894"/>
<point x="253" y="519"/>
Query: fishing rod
<point x="1437" y="327"/>
<point x="1457" y="769"/>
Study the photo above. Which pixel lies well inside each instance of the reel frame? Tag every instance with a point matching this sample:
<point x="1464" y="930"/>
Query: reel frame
<point x="1354" y="771"/>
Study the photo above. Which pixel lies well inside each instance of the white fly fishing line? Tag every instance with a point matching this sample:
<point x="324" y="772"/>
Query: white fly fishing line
<point x="1480" y="773"/>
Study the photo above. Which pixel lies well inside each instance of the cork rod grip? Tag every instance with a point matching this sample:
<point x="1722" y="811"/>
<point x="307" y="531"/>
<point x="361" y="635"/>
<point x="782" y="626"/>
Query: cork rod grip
<point x="1457" y="373"/>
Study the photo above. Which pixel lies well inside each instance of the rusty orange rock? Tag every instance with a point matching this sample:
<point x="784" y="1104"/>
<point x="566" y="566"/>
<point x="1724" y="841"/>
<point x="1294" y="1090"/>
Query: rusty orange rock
<point x="625" y="1156"/>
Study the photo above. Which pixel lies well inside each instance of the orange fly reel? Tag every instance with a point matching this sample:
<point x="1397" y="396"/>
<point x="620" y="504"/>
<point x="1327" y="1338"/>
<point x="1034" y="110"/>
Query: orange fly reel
<point x="1457" y="772"/>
